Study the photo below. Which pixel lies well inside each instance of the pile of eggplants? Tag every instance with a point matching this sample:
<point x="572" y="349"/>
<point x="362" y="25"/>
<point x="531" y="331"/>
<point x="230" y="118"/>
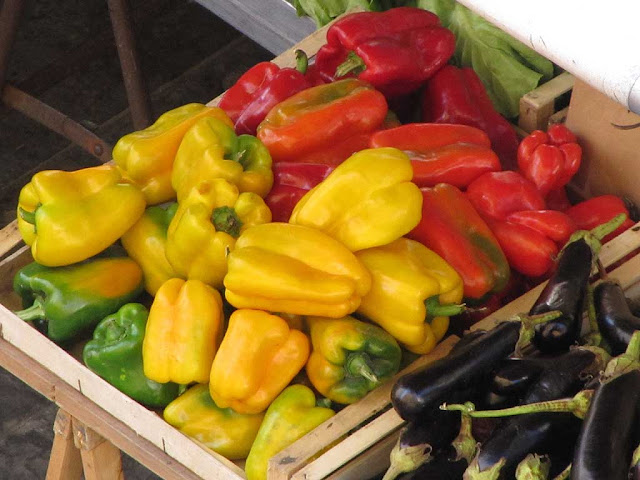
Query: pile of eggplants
<point x="515" y="364"/>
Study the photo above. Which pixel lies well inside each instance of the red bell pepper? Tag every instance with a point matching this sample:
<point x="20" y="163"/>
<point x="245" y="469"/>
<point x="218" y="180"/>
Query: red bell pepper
<point x="316" y="121"/>
<point x="557" y="199"/>
<point x="497" y="194"/>
<point x="258" y="90"/>
<point x="395" y="50"/>
<point x="598" y="210"/>
<point x="553" y="224"/>
<point x="290" y="182"/>
<point x="441" y="153"/>
<point x="527" y="250"/>
<point x="452" y="228"/>
<point x="549" y="159"/>
<point x="456" y="95"/>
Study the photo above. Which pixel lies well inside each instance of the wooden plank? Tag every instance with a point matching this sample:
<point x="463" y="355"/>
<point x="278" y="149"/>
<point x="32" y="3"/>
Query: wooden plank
<point x="290" y="460"/>
<point x="65" y="462"/>
<point x="371" y="463"/>
<point x="9" y="238"/>
<point x="539" y="104"/>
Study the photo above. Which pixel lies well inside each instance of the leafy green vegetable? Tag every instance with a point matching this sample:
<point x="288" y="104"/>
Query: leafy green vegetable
<point x="506" y="66"/>
<point x="323" y="11"/>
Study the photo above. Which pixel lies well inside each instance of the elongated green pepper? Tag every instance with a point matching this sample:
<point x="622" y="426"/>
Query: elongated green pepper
<point x="71" y="300"/>
<point x="115" y="353"/>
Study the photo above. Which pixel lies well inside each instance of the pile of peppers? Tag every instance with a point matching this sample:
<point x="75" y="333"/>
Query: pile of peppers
<point x="249" y="269"/>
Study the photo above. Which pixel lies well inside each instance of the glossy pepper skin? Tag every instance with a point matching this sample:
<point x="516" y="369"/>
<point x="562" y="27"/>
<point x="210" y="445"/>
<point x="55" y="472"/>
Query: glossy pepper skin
<point x="257" y="359"/>
<point x="205" y="227"/>
<point x="367" y="201"/>
<point x="292" y="415"/>
<point x="457" y="95"/>
<point x="280" y="267"/>
<point x="183" y="332"/>
<point x="146" y="156"/>
<point x="350" y="358"/>
<point x="321" y="117"/>
<point x="68" y="217"/>
<point x="396" y="50"/>
<point x="223" y="430"/>
<point x="452" y="228"/>
<point x="441" y="153"/>
<point x="550" y="159"/>
<point x="413" y="293"/>
<point x="210" y="149"/>
<point x="146" y="241"/>
<point x="115" y="354"/>
<point x="291" y="182"/>
<point x="595" y="211"/>
<point x="73" y="299"/>
<point x="259" y="89"/>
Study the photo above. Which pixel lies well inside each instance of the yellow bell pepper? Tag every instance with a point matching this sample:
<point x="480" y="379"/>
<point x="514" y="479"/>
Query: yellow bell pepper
<point x="146" y="156"/>
<point x="206" y="225"/>
<point x="146" y="241"/>
<point x="67" y="217"/>
<point x="183" y="332"/>
<point x="350" y="357"/>
<point x="413" y="293"/>
<point x="257" y="359"/>
<point x="210" y="149"/>
<point x="291" y="416"/>
<point x="294" y="269"/>
<point x="367" y="201"/>
<point x="224" y="431"/>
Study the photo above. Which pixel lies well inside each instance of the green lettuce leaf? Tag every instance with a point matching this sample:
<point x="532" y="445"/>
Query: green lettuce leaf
<point x="507" y="67"/>
<point x="323" y="11"/>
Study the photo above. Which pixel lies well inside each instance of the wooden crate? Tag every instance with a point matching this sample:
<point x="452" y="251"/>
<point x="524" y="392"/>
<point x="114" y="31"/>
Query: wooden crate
<point x="354" y="444"/>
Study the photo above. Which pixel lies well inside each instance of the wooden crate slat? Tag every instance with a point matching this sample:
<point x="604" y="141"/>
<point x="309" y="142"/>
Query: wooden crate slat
<point x="537" y="106"/>
<point x="373" y="461"/>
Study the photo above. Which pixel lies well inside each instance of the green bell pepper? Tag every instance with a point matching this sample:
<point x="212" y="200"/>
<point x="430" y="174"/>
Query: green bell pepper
<point x="66" y="302"/>
<point x="115" y="354"/>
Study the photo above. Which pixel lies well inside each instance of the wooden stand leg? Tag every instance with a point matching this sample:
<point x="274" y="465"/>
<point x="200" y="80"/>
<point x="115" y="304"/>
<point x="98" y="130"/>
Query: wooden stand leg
<point x="65" y="462"/>
<point x="101" y="460"/>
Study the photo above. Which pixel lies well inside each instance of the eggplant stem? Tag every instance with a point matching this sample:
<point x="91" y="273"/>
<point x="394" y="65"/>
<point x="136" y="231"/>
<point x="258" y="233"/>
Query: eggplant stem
<point x="564" y="475"/>
<point x="533" y="467"/>
<point x="527" y="327"/>
<point x="593" y="238"/>
<point x="465" y="444"/>
<point x="625" y="362"/>
<point x="593" y="338"/>
<point x="407" y="459"/>
<point x="602" y="271"/>
<point x="606" y="228"/>
<point x="578" y="405"/>
<point x="635" y="459"/>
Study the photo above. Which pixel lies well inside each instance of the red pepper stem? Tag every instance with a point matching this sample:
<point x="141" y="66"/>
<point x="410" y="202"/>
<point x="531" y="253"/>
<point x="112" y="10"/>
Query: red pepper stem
<point x="578" y="405"/>
<point x="302" y="61"/>
<point x="436" y="309"/>
<point x="225" y="219"/>
<point x="357" y="366"/>
<point x="353" y="64"/>
<point x="34" y="312"/>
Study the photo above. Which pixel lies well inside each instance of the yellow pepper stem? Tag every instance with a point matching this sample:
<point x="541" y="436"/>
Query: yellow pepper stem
<point x="225" y="219"/>
<point x="436" y="309"/>
<point x="358" y="366"/>
<point x="29" y="217"/>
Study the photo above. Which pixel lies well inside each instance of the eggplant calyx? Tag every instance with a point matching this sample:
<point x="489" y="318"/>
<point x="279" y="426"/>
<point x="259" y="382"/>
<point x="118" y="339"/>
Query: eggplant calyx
<point x="533" y="467"/>
<point x="527" y="327"/>
<point x="465" y="445"/>
<point x="625" y="362"/>
<point x="593" y="238"/>
<point x="493" y="473"/>
<point x="407" y="459"/>
<point x="599" y="363"/>
<point x="635" y="459"/>
<point x="593" y="338"/>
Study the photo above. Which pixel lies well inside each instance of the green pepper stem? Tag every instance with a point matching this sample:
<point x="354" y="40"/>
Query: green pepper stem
<point x="302" y="61"/>
<point x="436" y="309"/>
<point x="34" y="312"/>
<point x="27" y="216"/>
<point x="353" y="64"/>
<point x="578" y="406"/>
<point x="323" y="402"/>
<point x="226" y="219"/>
<point x="358" y="366"/>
